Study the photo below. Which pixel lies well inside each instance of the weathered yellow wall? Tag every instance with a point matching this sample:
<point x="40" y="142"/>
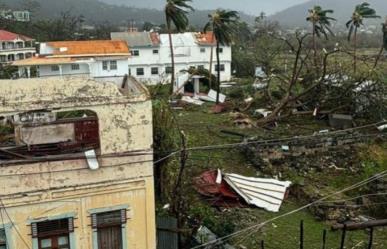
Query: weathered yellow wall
<point x="48" y="189"/>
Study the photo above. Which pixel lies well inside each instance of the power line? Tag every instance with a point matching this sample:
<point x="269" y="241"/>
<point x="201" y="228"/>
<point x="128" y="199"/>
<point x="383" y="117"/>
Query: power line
<point x="258" y="226"/>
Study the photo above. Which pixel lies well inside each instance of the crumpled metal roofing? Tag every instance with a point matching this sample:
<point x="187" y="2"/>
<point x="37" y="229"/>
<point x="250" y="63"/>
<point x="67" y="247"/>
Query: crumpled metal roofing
<point x="264" y="193"/>
<point x="135" y="39"/>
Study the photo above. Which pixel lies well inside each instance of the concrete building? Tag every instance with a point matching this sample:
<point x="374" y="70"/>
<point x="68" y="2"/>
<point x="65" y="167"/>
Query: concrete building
<point x="14" y="47"/>
<point x="76" y="169"/>
<point x="16" y="15"/>
<point x="151" y="57"/>
<point x="96" y="59"/>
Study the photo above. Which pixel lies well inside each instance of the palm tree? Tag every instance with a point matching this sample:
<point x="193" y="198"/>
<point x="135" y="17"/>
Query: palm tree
<point x="221" y="22"/>
<point x="176" y="13"/>
<point x="321" y="23"/>
<point x="362" y="11"/>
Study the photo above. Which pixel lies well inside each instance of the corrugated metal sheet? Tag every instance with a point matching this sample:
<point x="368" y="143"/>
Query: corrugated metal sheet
<point x="263" y="193"/>
<point x="134" y="39"/>
<point x="167" y="237"/>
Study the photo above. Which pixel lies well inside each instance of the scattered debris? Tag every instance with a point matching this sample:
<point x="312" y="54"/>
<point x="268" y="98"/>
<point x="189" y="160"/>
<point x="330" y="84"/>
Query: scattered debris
<point x="340" y="121"/>
<point x="382" y="127"/>
<point x="244" y="123"/>
<point x="91" y="158"/>
<point x="211" y="97"/>
<point x="205" y="235"/>
<point x="264" y="193"/>
<point x="263" y="112"/>
<point x="232" y="190"/>
<point x="192" y="100"/>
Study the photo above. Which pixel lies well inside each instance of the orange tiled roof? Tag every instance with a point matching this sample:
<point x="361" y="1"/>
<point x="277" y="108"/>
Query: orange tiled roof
<point x="39" y="61"/>
<point x="9" y="36"/>
<point x="88" y="48"/>
<point x="206" y="38"/>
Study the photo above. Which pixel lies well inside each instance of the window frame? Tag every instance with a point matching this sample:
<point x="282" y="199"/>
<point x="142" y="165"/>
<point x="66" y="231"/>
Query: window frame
<point x="135" y="52"/>
<point x="202" y="50"/>
<point x="75" y="67"/>
<point x="123" y="226"/>
<point x="140" y="69"/>
<point x="55" y="68"/>
<point x="113" y="65"/>
<point x="155" y="51"/>
<point x="154" y="71"/>
<point x="222" y="67"/>
<point x="168" y="70"/>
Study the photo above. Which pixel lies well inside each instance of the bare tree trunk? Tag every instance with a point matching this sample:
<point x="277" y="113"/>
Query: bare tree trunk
<point x="314" y="47"/>
<point x="211" y="61"/>
<point x="218" y="72"/>
<point x="355" y="52"/>
<point x="172" y="55"/>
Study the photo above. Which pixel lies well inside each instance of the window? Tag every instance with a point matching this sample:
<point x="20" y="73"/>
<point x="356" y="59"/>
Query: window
<point x="140" y="71"/>
<point x="135" y="52"/>
<point x="155" y="51"/>
<point x="75" y="67"/>
<point x="105" y="65"/>
<point x="54" y="68"/>
<point x="222" y="68"/>
<point x="113" y="65"/>
<point x="168" y="70"/>
<point x="53" y="234"/>
<point x="201" y="67"/>
<point x="109" y="65"/>
<point x="220" y="50"/>
<point x="3" y="239"/>
<point x="109" y="228"/>
<point x="202" y="50"/>
<point x="154" y="70"/>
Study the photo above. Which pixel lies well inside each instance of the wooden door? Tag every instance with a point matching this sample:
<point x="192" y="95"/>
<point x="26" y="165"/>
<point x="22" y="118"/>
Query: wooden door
<point x="110" y="237"/>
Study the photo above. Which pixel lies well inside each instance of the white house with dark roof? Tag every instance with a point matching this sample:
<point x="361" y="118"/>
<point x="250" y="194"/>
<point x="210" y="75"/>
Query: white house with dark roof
<point x="151" y="61"/>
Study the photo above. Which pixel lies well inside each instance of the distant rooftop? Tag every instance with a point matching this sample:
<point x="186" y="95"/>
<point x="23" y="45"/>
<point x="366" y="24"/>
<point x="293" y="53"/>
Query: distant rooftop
<point x="85" y="48"/>
<point x="9" y="36"/>
<point x="137" y="39"/>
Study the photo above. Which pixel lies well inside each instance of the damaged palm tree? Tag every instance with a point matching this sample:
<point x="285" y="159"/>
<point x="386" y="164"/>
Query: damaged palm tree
<point x="221" y="23"/>
<point x="362" y="11"/>
<point x="321" y="23"/>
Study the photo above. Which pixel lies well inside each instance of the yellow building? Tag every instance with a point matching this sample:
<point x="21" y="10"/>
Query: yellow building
<point x="76" y="166"/>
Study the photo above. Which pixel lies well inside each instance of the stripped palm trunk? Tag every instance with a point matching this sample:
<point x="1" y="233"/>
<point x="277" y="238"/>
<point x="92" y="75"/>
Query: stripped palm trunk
<point x="218" y="72"/>
<point x="172" y="55"/>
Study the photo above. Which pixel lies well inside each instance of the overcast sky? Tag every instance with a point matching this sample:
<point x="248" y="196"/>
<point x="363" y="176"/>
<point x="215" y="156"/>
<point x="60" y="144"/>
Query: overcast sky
<point x="248" y="6"/>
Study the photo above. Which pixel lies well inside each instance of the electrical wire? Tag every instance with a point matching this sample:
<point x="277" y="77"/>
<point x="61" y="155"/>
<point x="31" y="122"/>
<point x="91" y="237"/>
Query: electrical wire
<point x="258" y="226"/>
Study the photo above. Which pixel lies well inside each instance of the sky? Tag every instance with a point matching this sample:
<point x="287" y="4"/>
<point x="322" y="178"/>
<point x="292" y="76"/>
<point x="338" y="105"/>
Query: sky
<point x="254" y="7"/>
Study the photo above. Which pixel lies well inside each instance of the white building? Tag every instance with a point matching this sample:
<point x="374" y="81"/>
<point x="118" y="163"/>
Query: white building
<point x="16" y="15"/>
<point x="151" y="58"/>
<point x="97" y="59"/>
<point x="15" y="47"/>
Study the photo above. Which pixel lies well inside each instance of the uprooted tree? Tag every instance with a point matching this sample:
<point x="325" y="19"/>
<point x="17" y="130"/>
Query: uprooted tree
<point x="328" y="87"/>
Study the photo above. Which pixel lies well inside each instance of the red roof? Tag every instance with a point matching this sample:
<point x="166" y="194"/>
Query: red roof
<point x="9" y="36"/>
<point x="206" y="38"/>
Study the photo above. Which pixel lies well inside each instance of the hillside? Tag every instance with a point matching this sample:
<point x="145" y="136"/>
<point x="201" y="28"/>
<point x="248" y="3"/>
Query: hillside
<point x="295" y="16"/>
<point x="96" y="11"/>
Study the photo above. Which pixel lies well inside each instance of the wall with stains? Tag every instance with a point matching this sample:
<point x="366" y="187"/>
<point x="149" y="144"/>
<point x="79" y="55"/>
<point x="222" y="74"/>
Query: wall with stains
<point x="51" y="188"/>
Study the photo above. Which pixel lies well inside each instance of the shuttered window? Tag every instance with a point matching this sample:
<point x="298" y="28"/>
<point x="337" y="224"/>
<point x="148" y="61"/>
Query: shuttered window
<point x="109" y="228"/>
<point x="53" y="234"/>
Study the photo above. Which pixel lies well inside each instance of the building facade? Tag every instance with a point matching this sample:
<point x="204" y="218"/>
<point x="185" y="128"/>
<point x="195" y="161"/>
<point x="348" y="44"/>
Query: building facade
<point x="151" y="56"/>
<point x="16" y="15"/>
<point x="96" y="59"/>
<point x="14" y="47"/>
<point x="77" y="169"/>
